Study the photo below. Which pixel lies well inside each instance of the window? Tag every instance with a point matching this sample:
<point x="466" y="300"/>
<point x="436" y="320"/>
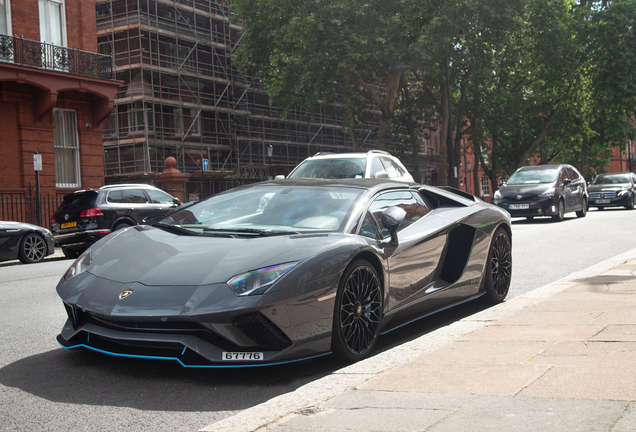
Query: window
<point x="66" y="142"/>
<point x="376" y="166"/>
<point x="159" y="197"/>
<point x="5" y="17"/>
<point x="390" y="168"/>
<point x="135" y="196"/>
<point x="403" y="199"/>
<point x="115" y="197"/>
<point x="485" y="186"/>
<point x="52" y="22"/>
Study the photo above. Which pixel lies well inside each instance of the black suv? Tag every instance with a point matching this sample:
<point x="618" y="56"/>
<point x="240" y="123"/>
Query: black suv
<point x="88" y="215"/>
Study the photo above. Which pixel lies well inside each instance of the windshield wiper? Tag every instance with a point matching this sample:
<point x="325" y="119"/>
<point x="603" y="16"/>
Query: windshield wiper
<point x="175" y="229"/>
<point x="249" y="231"/>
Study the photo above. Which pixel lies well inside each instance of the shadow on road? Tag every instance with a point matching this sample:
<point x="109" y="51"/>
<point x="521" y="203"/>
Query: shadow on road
<point x="86" y="377"/>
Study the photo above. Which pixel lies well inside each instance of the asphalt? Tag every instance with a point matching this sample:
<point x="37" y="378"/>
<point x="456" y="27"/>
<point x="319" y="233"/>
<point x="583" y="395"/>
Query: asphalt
<point x="560" y="358"/>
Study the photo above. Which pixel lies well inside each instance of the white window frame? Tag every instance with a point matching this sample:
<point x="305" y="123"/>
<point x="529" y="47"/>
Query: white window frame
<point x="7" y="15"/>
<point x="484" y="184"/>
<point x="47" y="12"/>
<point x="65" y="121"/>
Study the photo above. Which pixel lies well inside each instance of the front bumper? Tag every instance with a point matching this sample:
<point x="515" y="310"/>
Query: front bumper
<point x="529" y="207"/>
<point x="617" y="201"/>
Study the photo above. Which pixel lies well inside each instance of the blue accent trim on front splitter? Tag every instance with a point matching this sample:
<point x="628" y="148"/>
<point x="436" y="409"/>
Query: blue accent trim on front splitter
<point x="185" y="365"/>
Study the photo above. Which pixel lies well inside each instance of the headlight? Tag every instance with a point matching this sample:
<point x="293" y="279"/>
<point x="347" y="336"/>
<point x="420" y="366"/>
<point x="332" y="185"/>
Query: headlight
<point x="79" y="266"/>
<point x="257" y="281"/>
<point x="549" y="193"/>
<point x="622" y="192"/>
<point x="498" y="195"/>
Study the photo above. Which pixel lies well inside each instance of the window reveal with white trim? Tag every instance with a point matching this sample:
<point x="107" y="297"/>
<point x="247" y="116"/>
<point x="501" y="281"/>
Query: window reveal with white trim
<point x="5" y="17"/>
<point x="485" y="186"/>
<point x="67" y="151"/>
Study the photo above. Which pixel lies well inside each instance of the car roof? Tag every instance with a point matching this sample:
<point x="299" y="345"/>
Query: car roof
<point x="541" y="167"/>
<point x="349" y="155"/>
<point x="362" y="183"/>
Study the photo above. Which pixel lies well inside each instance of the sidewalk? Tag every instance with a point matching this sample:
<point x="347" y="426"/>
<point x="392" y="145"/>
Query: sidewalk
<point x="559" y="358"/>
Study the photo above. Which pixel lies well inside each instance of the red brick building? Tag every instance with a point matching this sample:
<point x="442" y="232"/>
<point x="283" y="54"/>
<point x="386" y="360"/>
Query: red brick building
<point x="55" y="91"/>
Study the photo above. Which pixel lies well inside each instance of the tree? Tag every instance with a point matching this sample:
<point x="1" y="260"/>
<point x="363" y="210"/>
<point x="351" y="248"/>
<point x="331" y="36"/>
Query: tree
<point x="329" y="51"/>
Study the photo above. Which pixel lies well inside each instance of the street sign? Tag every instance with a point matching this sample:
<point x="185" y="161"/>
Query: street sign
<point x="37" y="162"/>
<point x="206" y="165"/>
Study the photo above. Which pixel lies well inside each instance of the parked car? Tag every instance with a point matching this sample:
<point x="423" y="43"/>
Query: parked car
<point x="285" y="270"/>
<point x="544" y="190"/>
<point x="613" y="190"/>
<point x="86" y="216"/>
<point x="26" y="242"/>
<point x="372" y="164"/>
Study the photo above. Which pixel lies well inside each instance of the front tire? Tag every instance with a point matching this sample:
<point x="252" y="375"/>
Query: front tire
<point x="558" y="217"/>
<point x="358" y="312"/>
<point x="581" y="213"/>
<point x="32" y="249"/>
<point x="630" y="206"/>
<point x="121" y="225"/>
<point x="498" y="272"/>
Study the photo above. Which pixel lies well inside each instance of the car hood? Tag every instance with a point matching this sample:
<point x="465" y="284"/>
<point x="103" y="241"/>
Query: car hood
<point x="601" y="187"/>
<point x="510" y="191"/>
<point x="151" y="256"/>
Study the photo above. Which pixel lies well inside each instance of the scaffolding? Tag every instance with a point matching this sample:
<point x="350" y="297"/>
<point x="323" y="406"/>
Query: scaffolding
<point x="182" y="97"/>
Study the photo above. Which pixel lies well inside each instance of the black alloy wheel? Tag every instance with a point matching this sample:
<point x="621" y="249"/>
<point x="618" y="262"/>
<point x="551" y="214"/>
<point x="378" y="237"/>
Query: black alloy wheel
<point x="558" y="217"/>
<point x="32" y="249"/>
<point x="581" y="213"/>
<point x="358" y="312"/>
<point x="498" y="267"/>
<point x="630" y="206"/>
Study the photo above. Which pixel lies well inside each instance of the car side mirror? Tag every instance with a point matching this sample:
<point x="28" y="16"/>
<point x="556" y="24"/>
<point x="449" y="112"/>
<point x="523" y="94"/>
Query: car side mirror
<point x="382" y="175"/>
<point x="176" y="202"/>
<point x="391" y="219"/>
<point x="279" y="177"/>
<point x="500" y="184"/>
<point x="567" y="182"/>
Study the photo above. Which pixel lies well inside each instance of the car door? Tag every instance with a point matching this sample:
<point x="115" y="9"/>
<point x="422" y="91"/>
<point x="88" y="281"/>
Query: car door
<point x="136" y="204"/>
<point x="413" y="263"/>
<point x="577" y="189"/>
<point x="160" y="202"/>
<point x="6" y="249"/>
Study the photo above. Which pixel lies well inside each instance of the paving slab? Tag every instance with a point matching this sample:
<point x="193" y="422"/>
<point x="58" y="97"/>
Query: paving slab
<point x="524" y="414"/>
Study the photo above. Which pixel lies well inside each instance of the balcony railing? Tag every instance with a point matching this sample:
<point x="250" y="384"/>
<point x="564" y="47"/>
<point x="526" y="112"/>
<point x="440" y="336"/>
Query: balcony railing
<point x="47" y="56"/>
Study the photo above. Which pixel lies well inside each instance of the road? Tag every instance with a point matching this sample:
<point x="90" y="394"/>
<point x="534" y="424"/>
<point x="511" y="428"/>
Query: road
<point x="43" y="387"/>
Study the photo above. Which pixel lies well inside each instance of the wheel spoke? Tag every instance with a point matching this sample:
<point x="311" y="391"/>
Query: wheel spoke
<point x="360" y="310"/>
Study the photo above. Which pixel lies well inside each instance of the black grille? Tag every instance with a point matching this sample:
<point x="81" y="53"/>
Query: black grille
<point x="262" y="331"/>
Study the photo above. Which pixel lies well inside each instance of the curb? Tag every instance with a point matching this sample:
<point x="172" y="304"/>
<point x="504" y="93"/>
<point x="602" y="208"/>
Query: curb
<point x="275" y="410"/>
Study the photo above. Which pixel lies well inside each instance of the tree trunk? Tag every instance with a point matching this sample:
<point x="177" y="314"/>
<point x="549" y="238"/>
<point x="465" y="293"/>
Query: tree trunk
<point x="415" y="150"/>
<point x="443" y="133"/>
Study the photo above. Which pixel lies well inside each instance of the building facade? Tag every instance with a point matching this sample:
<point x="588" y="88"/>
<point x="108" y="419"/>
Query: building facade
<point x="55" y="91"/>
<point x="183" y="97"/>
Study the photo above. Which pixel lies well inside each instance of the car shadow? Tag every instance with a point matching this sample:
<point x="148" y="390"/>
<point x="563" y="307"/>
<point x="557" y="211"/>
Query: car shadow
<point x="540" y="220"/>
<point x="89" y="378"/>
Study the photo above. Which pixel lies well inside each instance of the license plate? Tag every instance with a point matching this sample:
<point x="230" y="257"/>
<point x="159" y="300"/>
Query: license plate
<point x="68" y="225"/>
<point x="605" y="201"/>
<point x="519" y="206"/>
<point x="231" y="356"/>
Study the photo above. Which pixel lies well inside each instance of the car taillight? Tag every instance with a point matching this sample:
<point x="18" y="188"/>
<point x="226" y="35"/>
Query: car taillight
<point x="52" y="218"/>
<point x="94" y="212"/>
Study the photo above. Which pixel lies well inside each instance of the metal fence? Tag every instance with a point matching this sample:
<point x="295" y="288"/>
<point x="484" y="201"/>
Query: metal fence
<point x="22" y="207"/>
<point x="53" y="57"/>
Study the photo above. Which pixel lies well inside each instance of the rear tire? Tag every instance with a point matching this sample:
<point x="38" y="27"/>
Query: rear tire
<point x="529" y="218"/>
<point x="358" y="312"/>
<point x="70" y="253"/>
<point x="498" y="271"/>
<point x="32" y="249"/>
<point x="630" y="206"/>
<point x="121" y="225"/>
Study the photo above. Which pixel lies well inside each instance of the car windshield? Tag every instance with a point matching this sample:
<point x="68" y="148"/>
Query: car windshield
<point x="331" y="168"/>
<point x="613" y="179"/>
<point x="534" y="176"/>
<point x="266" y="210"/>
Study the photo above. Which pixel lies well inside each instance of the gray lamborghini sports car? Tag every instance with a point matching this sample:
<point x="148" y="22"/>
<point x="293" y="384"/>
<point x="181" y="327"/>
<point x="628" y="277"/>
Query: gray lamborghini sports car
<point x="285" y="270"/>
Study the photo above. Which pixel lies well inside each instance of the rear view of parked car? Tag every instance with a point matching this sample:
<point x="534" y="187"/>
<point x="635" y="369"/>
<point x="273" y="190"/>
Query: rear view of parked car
<point x="613" y="190"/>
<point x="88" y="215"/>
<point x="544" y="190"/>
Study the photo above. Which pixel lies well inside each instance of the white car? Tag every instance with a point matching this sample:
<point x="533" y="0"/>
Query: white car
<point x="372" y="164"/>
